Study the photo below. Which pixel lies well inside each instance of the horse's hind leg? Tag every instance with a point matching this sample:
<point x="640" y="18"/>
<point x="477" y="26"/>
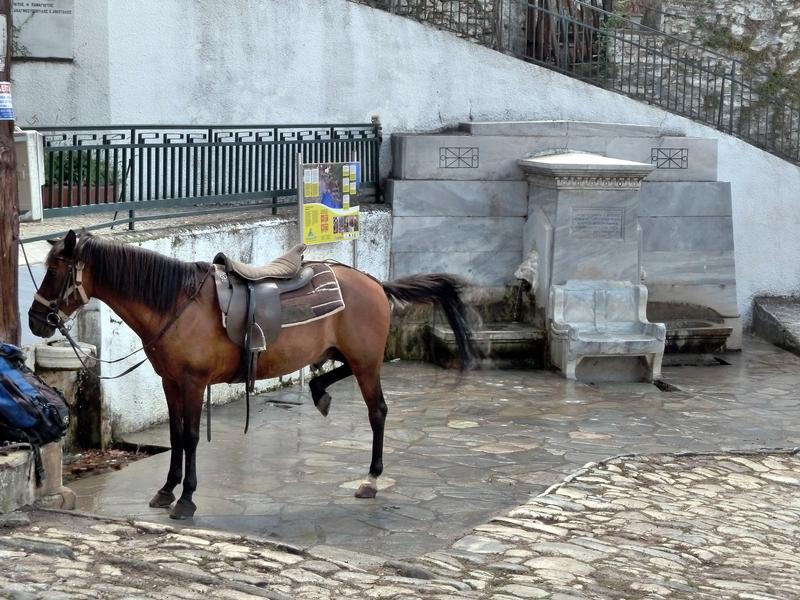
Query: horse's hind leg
<point x="164" y="497"/>
<point x="320" y="383"/>
<point x="370" y="384"/>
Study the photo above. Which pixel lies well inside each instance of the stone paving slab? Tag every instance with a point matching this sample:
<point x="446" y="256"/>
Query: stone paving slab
<point x="460" y="449"/>
<point x="716" y="526"/>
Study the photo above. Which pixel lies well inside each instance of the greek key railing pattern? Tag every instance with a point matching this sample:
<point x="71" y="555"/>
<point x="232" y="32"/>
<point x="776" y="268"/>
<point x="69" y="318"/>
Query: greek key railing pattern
<point x="91" y="169"/>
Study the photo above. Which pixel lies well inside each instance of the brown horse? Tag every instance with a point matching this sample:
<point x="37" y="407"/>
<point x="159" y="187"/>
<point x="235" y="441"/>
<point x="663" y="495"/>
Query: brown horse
<point x="172" y="306"/>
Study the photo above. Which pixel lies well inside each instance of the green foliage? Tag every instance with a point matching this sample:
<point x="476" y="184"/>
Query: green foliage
<point x="722" y="39"/>
<point x="781" y="85"/>
<point x="79" y="167"/>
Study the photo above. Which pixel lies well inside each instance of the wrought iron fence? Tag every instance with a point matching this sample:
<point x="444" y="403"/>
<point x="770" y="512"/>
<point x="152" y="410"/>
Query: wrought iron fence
<point x="621" y="55"/>
<point x="477" y="19"/>
<point x="125" y="168"/>
<point x="583" y="40"/>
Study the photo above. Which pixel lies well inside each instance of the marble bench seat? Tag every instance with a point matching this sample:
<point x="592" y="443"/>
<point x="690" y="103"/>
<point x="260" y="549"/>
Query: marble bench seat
<point x="602" y="319"/>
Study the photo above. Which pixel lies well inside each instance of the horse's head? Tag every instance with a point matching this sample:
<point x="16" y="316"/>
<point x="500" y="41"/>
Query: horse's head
<point x="62" y="290"/>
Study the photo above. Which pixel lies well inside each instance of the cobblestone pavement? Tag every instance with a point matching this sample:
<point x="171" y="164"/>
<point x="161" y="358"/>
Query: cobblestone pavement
<point x="459" y="449"/>
<point x="722" y="525"/>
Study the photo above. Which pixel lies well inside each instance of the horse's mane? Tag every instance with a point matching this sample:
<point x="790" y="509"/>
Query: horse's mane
<point x="141" y="275"/>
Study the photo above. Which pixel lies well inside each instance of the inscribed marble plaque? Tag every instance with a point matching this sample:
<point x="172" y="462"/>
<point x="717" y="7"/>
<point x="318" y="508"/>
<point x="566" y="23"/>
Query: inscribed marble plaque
<point x="43" y="28"/>
<point x="598" y="223"/>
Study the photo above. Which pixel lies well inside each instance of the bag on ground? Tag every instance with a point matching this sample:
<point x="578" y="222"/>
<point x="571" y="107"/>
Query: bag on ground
<point x="30" y="410"/>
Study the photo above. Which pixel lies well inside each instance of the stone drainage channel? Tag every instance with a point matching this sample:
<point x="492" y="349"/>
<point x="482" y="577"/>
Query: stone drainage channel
<point x="460" y="449"/>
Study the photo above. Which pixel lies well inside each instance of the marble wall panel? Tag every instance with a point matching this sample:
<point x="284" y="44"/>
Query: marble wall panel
<point x="678" y="234"/>
<point x="595" y="236"/>
<point x="685" y="199"/>
<point x="438" y="235"/>
<point x="458" y="198"/>
<point x="465" y="157"/>
<point x="479" y="268"/>
<point x="675" y="158"/>
<point x="701" y="268"/>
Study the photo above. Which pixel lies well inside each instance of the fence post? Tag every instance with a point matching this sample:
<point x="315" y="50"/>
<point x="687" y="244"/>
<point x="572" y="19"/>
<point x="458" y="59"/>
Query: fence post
<point x="499" y="4"/>
<point x="721" y="101"/>
<point x="376" y="124"/>
<point x="733" y="91"/>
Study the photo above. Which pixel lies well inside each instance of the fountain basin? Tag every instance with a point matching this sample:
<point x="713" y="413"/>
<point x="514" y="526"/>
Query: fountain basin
<point x="502" y="345"/>
<point x="696" y="336"/>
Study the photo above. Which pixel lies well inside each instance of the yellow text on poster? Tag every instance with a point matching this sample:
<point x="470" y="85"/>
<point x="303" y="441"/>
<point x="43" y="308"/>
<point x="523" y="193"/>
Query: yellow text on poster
<point x="322" y="224"/>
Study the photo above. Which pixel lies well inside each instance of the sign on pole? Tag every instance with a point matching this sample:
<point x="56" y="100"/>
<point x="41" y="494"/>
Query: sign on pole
<point x="6" y="107"/>
<point x="327" y="194"/>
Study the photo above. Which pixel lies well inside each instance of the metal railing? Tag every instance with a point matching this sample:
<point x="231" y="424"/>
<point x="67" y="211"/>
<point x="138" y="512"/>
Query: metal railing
<point x="133" y="167"/>
<point x="602" y="48"/>
<point x="477" y="19"/>
<point x="583" y="40"/>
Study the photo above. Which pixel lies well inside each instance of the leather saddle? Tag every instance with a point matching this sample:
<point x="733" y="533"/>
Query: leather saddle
<point x="249" y="298"/>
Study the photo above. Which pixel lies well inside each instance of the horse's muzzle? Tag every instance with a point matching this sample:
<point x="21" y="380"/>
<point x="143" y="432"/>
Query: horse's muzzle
<point x="39" y="324"/>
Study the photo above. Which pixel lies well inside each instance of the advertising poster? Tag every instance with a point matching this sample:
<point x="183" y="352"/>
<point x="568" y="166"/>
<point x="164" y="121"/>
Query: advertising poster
<point x="6" y="108"/>
<point x="327" y="191"/>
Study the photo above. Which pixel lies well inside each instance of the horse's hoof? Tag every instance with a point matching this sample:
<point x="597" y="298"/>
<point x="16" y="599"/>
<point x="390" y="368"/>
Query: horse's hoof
<point x="183" y="509"/>
<point x="324" y="404"/>
<point x="162" y="499"/>
<point x="367" y="490"/>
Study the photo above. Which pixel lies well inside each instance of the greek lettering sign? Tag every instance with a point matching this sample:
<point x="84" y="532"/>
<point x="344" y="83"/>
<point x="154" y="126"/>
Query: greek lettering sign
<point x="327" y="192"/>
<point x="6" y="109"/>
<point x="598" y="223"/>
<point x="43" y="28"/>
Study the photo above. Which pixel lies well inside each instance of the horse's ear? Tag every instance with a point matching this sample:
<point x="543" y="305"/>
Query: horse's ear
<point x="69" y="243"/>
<point x="53" y="242"/>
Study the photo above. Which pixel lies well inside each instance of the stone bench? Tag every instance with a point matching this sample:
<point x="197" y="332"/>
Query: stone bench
<point x="602" y="319"/>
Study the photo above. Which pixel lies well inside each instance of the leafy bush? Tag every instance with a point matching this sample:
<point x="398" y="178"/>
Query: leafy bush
<point x="84" y="167"/>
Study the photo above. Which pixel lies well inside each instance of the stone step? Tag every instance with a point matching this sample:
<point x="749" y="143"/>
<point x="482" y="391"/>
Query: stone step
<point x="461" y="156"/>
<point x="777" y="320"/>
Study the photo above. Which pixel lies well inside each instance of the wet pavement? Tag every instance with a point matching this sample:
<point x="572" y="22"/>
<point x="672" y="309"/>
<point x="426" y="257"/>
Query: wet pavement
<point x="670" y="526"/>
<point x="461" y="449"/>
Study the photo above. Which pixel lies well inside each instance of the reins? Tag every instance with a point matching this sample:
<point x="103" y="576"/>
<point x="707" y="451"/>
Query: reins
<point x="73" y="283"/>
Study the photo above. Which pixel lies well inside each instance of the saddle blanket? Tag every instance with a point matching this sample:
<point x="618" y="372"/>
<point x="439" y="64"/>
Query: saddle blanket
<point x="321" y="298"/>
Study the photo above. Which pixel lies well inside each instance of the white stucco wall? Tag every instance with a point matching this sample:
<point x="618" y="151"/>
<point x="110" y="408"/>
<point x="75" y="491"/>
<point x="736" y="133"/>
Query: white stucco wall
<point x="68" y="93"/>
<point x="302" y="61"/>
<point x="137" y="400"/>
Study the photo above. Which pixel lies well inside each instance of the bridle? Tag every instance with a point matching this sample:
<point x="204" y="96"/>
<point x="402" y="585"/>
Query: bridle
<point x="71" y="286"/>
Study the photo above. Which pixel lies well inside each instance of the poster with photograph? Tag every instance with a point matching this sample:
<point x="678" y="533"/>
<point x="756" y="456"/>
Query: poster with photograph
<point x="328" y="195"/>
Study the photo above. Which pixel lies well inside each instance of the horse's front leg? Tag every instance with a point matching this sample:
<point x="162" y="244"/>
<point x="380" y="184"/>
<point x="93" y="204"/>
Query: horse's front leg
<point x="165" y="497"/>
<point x="192" y="394"/>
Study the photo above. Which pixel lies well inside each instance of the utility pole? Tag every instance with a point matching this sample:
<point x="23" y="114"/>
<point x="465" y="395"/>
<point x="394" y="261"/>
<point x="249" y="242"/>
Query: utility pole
<point x="9" y="202"/>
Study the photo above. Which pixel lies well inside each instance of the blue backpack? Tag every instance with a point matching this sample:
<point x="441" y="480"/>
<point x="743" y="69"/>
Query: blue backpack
<point x="30" y="410"/>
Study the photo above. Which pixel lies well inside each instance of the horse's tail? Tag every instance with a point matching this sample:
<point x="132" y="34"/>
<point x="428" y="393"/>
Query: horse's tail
<point x="444" y="290"/>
